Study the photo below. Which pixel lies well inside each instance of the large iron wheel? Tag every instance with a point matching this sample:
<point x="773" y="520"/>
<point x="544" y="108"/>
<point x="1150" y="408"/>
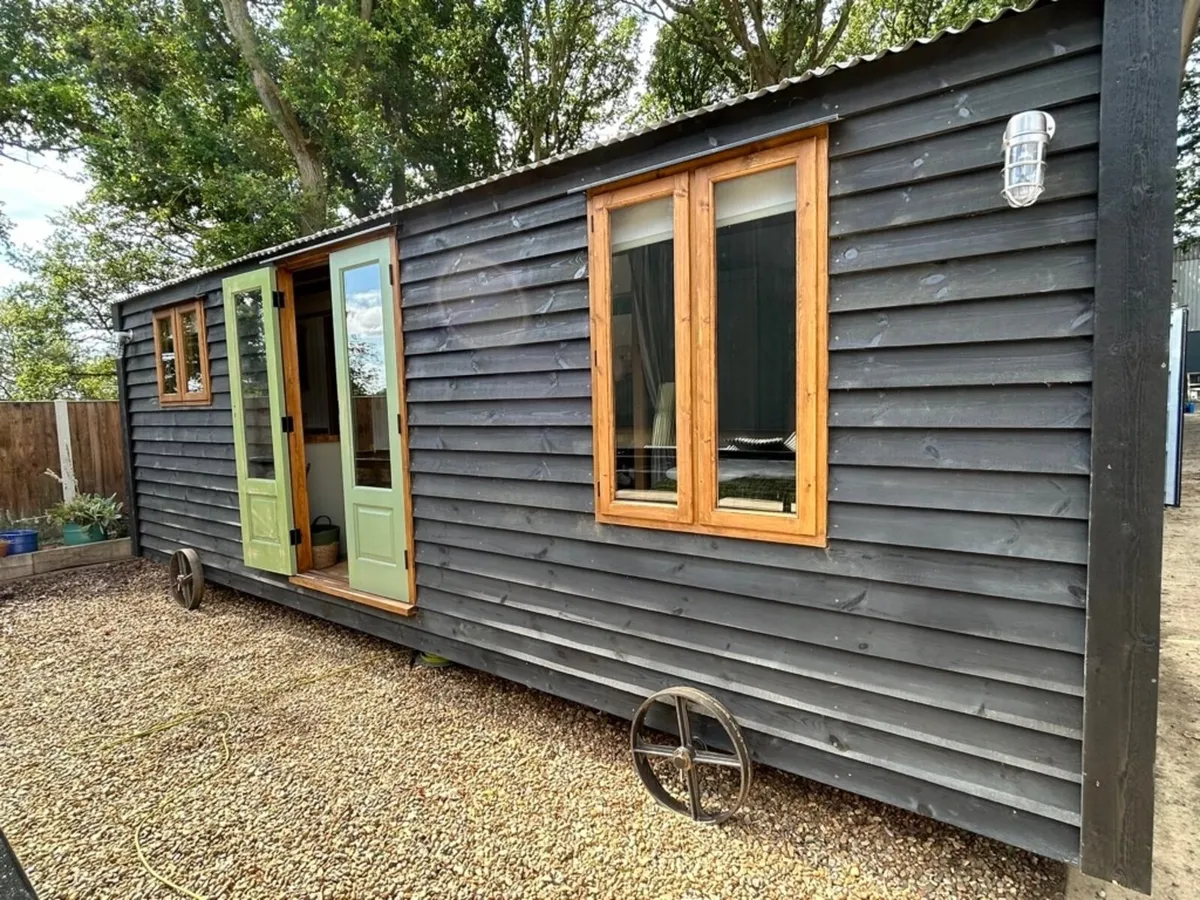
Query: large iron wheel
<point x="187" y="578"/>
<point x="690" y="754"/>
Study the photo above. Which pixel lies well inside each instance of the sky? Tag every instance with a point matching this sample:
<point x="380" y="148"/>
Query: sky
<point x="29" y="194"/>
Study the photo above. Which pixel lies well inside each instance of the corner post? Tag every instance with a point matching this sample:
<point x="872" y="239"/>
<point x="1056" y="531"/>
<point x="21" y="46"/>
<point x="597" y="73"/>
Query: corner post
<point x="135" y="544"/>
<point x="1139" y="94"/>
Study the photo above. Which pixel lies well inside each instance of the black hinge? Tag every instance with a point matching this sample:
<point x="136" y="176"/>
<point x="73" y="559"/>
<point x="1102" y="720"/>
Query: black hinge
<point x="400" y="423"/>
<point x="287" y="424"/>
<point x="391" y="275"/>
<point x="294" y="537"/>
<point x="277" y="299"/>
<point x="406" y="559"/>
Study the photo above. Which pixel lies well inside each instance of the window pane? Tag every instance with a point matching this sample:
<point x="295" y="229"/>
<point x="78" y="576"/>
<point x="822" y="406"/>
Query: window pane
<point x="166" y="361"/>
<point x="191" y="353"/>
<point x="756" y="341"/>
<point x="643" y="347"/>
<point x="368" y="377"/>
<point x="256" y="394"/>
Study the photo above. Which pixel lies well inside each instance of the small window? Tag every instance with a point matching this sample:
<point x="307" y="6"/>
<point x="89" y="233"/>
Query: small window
<point x="709" y="322"/>
<point x="181" y="350"/>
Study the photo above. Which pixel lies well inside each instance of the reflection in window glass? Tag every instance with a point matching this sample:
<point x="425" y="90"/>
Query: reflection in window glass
<point x="756" y="341"/>
<point x="643" y="348"/>
<point x="256" y="395"/>
<point x="166" y="344"/>
<point x="191" y="353"/>
<point x="368" y="376"/>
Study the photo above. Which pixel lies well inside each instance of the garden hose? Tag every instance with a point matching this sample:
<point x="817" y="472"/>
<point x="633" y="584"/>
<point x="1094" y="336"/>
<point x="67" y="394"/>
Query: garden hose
<point x="222" y="718"/>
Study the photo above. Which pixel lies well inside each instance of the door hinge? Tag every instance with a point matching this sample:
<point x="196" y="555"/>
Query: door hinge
<point x="406" y="559"/>
<point x="294" y="537"/>
<point x="287" y="424"/>
<point x="277" y="299"/>
<point x="391" y="275"/>
<point x="400" y="423"/>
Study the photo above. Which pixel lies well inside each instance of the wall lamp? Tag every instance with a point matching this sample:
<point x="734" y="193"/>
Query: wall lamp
<point x="1025" y="142"/>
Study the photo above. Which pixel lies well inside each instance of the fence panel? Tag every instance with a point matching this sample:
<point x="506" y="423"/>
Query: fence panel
<point x="96" y="447"/>
<point x="28" y="446"/>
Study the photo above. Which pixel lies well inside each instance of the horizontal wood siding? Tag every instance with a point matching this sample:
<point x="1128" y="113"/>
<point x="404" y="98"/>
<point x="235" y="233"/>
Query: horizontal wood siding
<point x="931" y="656"/>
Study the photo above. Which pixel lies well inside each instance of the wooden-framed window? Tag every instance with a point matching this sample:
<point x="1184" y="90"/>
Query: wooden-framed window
<point x="181" y="354"/>
<point x="709" y="321"/>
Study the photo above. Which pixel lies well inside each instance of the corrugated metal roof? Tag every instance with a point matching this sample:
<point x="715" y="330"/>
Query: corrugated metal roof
<point x="349" y="227"/>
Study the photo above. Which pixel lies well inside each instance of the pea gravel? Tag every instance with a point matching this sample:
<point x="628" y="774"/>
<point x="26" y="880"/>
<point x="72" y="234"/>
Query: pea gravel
<point x="352" y="774"/>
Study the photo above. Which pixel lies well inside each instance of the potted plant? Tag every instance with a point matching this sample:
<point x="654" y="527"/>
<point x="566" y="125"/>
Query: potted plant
<point x="87" y="518"/>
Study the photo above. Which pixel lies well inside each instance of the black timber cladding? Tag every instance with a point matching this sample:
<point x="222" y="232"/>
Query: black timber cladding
<point x="932" y="656"/>
<point x="1140" y="81"/>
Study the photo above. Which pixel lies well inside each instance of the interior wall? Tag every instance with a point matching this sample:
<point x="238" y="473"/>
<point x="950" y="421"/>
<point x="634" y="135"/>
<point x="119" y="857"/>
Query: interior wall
<point x="325" y="496"/>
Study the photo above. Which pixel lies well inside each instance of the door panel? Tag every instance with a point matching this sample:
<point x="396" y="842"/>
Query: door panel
<point x="256" y="383"/>
<point x="368" y="400"/>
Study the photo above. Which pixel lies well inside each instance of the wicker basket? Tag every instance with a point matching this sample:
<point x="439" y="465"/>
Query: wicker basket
<point x="326" y="542"/>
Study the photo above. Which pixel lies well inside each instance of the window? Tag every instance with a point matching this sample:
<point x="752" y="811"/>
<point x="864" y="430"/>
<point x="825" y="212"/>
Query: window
<point x="709" y="370"/>
<point x="181" y="349"/>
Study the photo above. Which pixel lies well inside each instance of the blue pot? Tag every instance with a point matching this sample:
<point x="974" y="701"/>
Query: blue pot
<point x="23" y="540"/>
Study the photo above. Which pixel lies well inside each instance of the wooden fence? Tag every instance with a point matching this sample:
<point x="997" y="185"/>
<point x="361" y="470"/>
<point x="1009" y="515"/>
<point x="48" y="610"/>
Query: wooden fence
<point x="79" y="439"/>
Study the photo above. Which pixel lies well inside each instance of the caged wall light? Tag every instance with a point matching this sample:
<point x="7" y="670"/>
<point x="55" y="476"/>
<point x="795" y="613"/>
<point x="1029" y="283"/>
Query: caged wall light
<point x="1025" y="142"/>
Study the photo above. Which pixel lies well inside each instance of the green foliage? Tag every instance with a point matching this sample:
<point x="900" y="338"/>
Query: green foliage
<point x="573" y="65"/>
<point x="709" y="49"/>
<point x="42" y="106"/>
<point x="55" y="325"/>
<point x="878" y="24"/>
<point x="1187" y="168"/>
<point x="88" y="511"/>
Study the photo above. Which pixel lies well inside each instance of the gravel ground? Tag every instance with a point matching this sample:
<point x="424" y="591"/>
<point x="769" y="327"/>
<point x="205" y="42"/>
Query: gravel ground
<point x="351" y="774"/>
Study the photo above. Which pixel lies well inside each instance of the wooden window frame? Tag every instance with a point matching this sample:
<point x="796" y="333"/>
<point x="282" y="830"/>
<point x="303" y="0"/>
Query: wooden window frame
<point x="696" y="509"/>
<point x="175" y="315"/>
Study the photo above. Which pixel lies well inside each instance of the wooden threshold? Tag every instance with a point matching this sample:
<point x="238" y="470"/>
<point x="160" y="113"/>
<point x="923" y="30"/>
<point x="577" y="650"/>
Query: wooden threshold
<point x="336" y="581"/>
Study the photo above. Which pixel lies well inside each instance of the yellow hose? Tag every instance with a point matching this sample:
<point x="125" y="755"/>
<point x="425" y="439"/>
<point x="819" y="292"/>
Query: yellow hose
<point x="222" y="718"/>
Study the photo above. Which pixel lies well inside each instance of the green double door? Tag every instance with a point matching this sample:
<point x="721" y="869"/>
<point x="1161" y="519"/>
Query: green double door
<point x="373" y="475"/>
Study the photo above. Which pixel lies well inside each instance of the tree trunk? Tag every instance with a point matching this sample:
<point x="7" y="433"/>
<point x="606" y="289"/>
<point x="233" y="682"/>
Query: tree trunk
<point x="313" y="187"/>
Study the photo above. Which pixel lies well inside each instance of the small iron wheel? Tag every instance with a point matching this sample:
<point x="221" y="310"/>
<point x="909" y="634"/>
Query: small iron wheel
<point x="690" y="754"/>
<point x="187" y="578"/>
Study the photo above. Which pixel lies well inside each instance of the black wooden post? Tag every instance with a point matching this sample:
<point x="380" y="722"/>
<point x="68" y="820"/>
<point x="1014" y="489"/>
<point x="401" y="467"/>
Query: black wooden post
<point x="1139" y="99"/>
<point x="126" y="434"/>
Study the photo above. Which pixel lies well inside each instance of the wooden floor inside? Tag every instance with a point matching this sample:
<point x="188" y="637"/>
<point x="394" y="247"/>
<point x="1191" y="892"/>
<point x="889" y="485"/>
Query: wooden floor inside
<point x="335" y="580"/>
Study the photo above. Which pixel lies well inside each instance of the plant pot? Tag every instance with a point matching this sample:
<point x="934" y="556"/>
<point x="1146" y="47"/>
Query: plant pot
<point x="23" y="540"/>
<point x="74" y="535"/>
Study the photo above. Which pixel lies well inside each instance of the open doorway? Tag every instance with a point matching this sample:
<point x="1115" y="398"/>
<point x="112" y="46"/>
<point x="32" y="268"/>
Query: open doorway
<point x="319" y="423"/>
<point x="341" y="349"/>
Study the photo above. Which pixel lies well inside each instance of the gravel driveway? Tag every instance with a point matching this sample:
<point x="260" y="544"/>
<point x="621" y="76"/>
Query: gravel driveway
<point x="350" y="774"/>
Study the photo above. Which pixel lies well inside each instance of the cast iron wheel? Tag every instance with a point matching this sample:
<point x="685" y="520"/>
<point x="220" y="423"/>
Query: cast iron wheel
<point x="187" y="578"/>
<point x="689" y="754"/>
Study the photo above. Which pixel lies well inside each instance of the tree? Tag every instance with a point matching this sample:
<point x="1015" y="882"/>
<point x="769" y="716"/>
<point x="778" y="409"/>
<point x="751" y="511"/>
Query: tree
<point x="55" y="326"/>
<point x="878" y="24"/>
<point x="245" y="124"/>
<point x="742" y="45"/>
<point x="314" y="194"/>
<point x="1187" y="167"/>
<point x="709" y="49"/>
<point x="574" y="63"/>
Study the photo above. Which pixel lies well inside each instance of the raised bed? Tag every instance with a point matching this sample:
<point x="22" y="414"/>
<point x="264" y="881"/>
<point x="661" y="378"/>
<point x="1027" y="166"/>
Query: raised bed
<point x="54" y="558"/>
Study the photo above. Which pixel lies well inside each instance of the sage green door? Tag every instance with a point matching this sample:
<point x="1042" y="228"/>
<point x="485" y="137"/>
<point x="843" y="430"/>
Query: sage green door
<point x="260" y="444"/>
<point x="364" y="321"/>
